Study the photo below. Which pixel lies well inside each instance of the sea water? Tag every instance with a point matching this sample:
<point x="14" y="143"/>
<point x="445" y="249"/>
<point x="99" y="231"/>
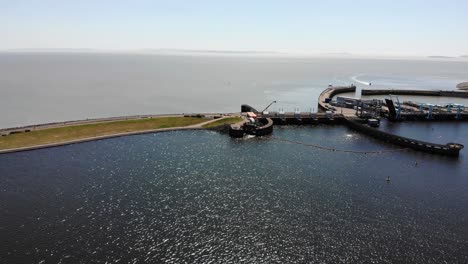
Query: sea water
<point x="202" y="197"/>
<point x="49" y="87"/>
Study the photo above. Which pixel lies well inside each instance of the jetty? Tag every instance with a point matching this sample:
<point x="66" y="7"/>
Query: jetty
<point x="362" y="115"/>
<point x="363" y="110"/>
<point x="251" y="125"/>
<point x="450" y="149"/>
<point x="325" y="99"/>
<point x="458" y="94"/>
<point x="358" y="117"/>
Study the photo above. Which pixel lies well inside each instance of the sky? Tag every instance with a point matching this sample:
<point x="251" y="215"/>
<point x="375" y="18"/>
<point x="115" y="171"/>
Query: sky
<point x="365" y="27"/>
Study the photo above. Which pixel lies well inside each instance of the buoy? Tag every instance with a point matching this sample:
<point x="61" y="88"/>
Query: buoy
<point x="388" y="178"/>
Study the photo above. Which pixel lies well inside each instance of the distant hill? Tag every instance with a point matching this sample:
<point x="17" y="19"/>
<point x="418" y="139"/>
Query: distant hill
<point x="463" y="86"/>
<point x="464" y="56"/>
<point x="337" y="54"/>
<point x="159" y="51"/>
<point x="440" y="57"/>
<point x="189" y="51"/>
<point x="49" y="50"/>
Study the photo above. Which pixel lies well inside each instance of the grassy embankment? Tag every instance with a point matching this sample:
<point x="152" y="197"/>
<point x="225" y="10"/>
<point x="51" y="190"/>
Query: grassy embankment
<point x="68" y="133"/>
<point x="222" y="122"/>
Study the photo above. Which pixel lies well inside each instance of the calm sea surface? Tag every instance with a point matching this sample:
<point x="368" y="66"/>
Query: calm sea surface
<point x="202" y="197"/>
<point x="46" y="87"/>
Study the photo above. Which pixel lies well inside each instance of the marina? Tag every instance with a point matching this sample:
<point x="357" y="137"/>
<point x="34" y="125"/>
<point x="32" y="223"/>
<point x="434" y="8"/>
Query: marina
<point x="349" y="181"/>
<point x="234" y="132"/>
<point x="361" y="115"/>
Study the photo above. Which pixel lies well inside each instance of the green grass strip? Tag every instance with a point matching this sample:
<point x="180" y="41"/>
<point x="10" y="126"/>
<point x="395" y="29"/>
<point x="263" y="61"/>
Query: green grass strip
<point x="68" y="133"/>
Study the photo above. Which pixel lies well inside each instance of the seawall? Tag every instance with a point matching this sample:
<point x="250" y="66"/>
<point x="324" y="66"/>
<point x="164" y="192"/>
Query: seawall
<point x="450" y="149"/>
<point x="415" y="92"/>
<point x="240" y="129"/>
<point x="329" y="93"/>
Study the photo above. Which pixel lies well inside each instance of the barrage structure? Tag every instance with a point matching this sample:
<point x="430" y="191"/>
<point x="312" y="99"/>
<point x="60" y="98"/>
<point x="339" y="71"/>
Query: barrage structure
<point x="360" y="115"/>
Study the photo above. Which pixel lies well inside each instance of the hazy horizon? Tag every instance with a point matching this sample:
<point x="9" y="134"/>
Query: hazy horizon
<point x="92" y="85"/>
<point x="202" y="52"/>
<point x="359" y="28"/>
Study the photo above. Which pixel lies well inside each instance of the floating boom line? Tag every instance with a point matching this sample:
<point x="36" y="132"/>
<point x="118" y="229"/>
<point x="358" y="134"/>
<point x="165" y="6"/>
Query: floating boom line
<point x="340" y="150"/>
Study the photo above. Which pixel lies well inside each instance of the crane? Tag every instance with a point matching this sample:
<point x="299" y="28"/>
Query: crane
<point x="268" y="106"/>
<point x="398" y="113"/>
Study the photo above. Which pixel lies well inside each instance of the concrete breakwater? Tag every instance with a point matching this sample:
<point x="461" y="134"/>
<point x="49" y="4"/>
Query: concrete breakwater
<point x="351" y="119"/>
<point x="450" y="149"/>
<point x="306" y="119"/>
<point x="279" y="121"/>
<point x="263" y="128"/>
<point x="331" y="113"/>
<point x="266" y="128"/>
<point x="434" y="117"/>
<point x="327" y="95"/>
<point x="415" y="92"/>
<point x="263" y="123"/>
<point x="338" y="115"/>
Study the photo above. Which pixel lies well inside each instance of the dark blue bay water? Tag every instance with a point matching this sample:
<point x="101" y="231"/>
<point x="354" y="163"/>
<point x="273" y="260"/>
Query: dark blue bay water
<point x="201" y="197"/>
<point x="436" y="132"/>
